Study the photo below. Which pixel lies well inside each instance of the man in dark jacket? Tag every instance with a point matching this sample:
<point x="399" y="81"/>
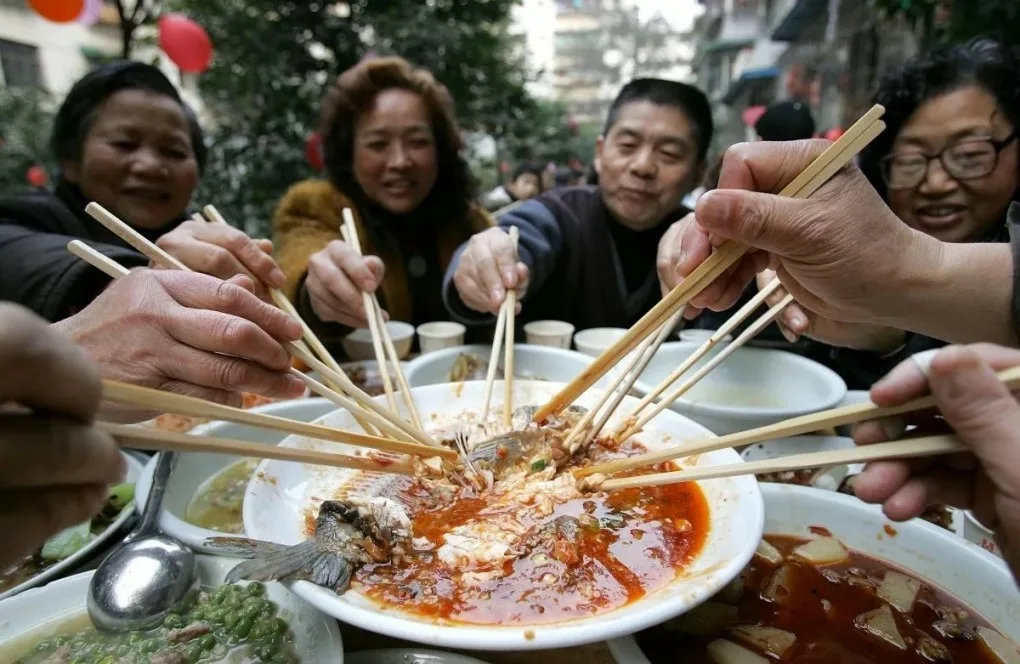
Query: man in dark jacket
<point x="587" y="254"/>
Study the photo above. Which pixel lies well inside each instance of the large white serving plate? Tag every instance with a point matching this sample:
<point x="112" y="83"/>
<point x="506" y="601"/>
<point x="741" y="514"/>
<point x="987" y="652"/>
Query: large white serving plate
<point x="41" y="612"/>
<point x="534" y="362"/>
<point x="105" y="538"/>
<point x="192" y="470"/>
<point x="753" y="387"/>
<point x="942" y="559"/>
<point x="280" y="495"/>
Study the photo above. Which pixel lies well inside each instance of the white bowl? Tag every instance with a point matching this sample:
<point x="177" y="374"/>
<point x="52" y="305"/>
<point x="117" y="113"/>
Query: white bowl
<point x="969" y="573"/>
<point x="596" y="339"/>
<point x="751" y="388"/>
<point x="976" y="533"/>
<point x="36" y="614"/>
<point x="358" y="344"/>
<point x="281" y="495"/>
<point x="439" y="335"/>
<point x="698" y="336"/>
<point x="194" y="470"/>
<point x="555" y="333"/>
<point x="534" y="362"/>
<point x="93" y="548"/>
<point x="783" y="447"/>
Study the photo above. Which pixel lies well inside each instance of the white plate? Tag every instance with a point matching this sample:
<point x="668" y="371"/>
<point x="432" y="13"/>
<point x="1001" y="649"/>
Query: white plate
<point x="194" y="470"/>
<point x="409" y="656"/>
<point x="134" y="471"/>
<point x="280" y="495"/>
<point x="967" y="572"/>
<point x="40" y="612"/>
<point x="535" y="362"/>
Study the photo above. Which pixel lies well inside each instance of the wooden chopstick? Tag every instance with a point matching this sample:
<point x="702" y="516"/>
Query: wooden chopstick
<point x="132" y="237"/>
<point x="167" y="441"/>
<point x="793" y="427"/>
<point x="836" y="157"/>
<point x="508" y="344"/>
<point x="490" y="373"/>
<point x="752" y="331"/>
<point x="167" y="402"/>
<point x="101" y="262"/>
<point x="897" y="449"/>
<point x="384" y="333"/>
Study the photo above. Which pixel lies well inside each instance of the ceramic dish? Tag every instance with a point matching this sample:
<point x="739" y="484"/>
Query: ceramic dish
<point x="751" y="388"/>
<point x="282" y="495"/>
<point x="594" y="340"/>
<point x="965" y="571"/>
<point x="38" y="613"/>
<point x="194" y="471"/>
<point x="87" y="552"/>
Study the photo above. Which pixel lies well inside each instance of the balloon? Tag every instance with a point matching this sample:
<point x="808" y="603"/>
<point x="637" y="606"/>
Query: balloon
<point x="36" y="176"/>
<point x="185" y="42"/>
<point x="90" y="12"/>
<point x="58" y="11"/>
<point x="313" y="151"/>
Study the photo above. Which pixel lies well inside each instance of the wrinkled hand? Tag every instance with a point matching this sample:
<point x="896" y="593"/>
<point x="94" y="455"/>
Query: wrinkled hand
<point x="488" y="268"/>
<point x="337" y="276"/>
<point x="813" y="244"/>
<point x="224" y="251"/>
<point x="984" y="415"/>
<point x="188" y="333"/>
<point x="54" y="467"/>
<point x="796" y="322"/>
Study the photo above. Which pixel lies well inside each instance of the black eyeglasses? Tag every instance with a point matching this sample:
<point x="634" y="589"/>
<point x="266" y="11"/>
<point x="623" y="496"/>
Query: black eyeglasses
<point x="968" y="160"/>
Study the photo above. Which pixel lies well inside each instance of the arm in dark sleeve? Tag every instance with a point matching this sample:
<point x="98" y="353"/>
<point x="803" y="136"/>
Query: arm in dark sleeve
<point x="539" y="247"/>
<point x="38" y="272"/>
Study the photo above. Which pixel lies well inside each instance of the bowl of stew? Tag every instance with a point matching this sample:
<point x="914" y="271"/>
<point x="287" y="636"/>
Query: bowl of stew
<point x="835" y="581"/>
<point x="205" y="492"/>
<point x="752" y="387"/>
<point x="226" y="624"/>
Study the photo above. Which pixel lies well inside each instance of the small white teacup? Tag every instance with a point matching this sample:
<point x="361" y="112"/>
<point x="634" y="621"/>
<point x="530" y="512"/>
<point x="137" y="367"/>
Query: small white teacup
<point x="555" y="333"/>
<point x="439" y="335"/>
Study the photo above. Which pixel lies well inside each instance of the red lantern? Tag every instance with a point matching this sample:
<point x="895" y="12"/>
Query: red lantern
<point x="186" y="43"/>
<point x="58" y="11"/>
<point x="36" y="176"/>
<point x="313" y="152"/>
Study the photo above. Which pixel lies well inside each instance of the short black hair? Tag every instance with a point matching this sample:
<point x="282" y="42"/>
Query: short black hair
<point x="527" y="168"/>
<point x="78" y="111"/>
<point x="786" y="121"/>
<point x="688" y="99"/>
<point x="986" y="63"/>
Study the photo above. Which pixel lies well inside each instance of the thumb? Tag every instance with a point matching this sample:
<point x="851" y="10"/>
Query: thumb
<point x="981" y="410"/>
<point x="762" y="221"/>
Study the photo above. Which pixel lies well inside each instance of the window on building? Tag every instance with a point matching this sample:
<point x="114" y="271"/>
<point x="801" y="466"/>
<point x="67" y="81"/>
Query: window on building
<point x="19" y="65"/>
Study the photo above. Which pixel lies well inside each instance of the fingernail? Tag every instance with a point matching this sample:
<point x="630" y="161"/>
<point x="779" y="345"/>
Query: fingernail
<point x="297" y="386"/>
<point x="799" y="321"/>
<point x="293" y="329"/>
<point x="368" y="285"/>
<point x="718" y="207"/>
<point x="681" y="260"/>
<point x="277" y="277"/>
<point x="497" y="295"/>
<point x="509" y="278"/>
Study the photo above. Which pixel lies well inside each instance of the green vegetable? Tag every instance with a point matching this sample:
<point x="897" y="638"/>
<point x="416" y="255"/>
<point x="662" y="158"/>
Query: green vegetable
<point x="67" y="542"/>
<point x="121" y="496"/>
<point x="538" y="464"/>
<point x="256" y="589"/>
<point x="173" y="621"/>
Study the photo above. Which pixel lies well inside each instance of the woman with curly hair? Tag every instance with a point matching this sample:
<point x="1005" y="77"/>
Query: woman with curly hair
<point x="392" y="148"/>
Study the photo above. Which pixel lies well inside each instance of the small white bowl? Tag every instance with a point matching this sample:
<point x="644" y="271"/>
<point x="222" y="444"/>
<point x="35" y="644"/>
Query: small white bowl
<point x="358" y="344"/>
<point x="194" y="470"/>
<point x="753" y="387"/>
<point x="531" y="362"/>
<point x="36" y="614"/>
<point x="440" y="334"/>
<point x="976" y="533"/>
<point x="972" y="575"/>
<point x="555" y="333"/>
<point x="596" y="339"/>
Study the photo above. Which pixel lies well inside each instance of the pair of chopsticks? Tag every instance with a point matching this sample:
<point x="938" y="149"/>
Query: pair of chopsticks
<point x="385" y="352"/>
<point x="838" y="155"/>
<point x="505" y="327"/>
<point x="932" y="445"/>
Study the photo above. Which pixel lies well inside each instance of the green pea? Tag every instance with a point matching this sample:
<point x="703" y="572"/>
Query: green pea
<point x="256" y="589"/>
<point x="253" y="602"/>
<point x="232" y="603"/>
<point x="197" y="615"/>
<point x="266" y="651"/>
<point x="208" y="642"/>
<point x="230" y="619"/>
<point x="149" y="645"/>
<point x="279" y="626"/>
<point x="281" y="658"/>
<point x="193" y="652"/>
<point x="243" y="628"/>
<point x="173" y="621"/>
<point x="123" y="650"/>
<point x="269" y="610"/>
<point x="222" y="593"/>
<point x="216" y="616"/>
<point x="251" y="612"/>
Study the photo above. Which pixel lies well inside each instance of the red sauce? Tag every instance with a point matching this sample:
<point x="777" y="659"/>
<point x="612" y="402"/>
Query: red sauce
<point x="820" y="608"/>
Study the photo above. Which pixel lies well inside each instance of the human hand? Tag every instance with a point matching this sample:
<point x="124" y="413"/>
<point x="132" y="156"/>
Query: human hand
<point x="986" y="418"/>
<point x="337" y="276"/>
<point x="188" y="333"/>
<point x="224" y="251"/>
<point x="54" y="466"/>
<point x="795" y="322"/>
<point x="487" y="269"/>
<point x="813" y="244"/>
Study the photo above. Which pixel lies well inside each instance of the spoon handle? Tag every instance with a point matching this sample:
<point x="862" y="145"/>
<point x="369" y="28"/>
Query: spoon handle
<point x="154" y="501"/>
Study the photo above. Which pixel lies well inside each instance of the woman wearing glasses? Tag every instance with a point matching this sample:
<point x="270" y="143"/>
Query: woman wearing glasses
<point x="948" y="165"/>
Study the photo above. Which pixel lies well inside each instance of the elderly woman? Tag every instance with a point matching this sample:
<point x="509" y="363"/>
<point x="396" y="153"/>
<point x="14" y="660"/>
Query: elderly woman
<point x="949" y="167"/>
<point x="124" y="139"/>
<point x="392" y="149"/>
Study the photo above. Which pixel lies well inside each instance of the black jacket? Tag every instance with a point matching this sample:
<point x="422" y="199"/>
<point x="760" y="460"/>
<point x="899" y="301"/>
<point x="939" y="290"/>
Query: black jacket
<point x="37" y="271"/>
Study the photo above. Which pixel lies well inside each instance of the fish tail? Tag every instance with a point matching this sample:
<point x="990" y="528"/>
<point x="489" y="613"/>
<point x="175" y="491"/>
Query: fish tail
<point x="285" y="562"/>
<point x="241" y="547"/>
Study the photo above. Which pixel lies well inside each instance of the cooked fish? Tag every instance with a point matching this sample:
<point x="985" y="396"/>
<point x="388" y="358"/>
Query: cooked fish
<point x="470" y="367"/>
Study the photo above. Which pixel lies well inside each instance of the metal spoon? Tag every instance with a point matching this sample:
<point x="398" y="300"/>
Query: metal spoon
<point x="149" y="576"/>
